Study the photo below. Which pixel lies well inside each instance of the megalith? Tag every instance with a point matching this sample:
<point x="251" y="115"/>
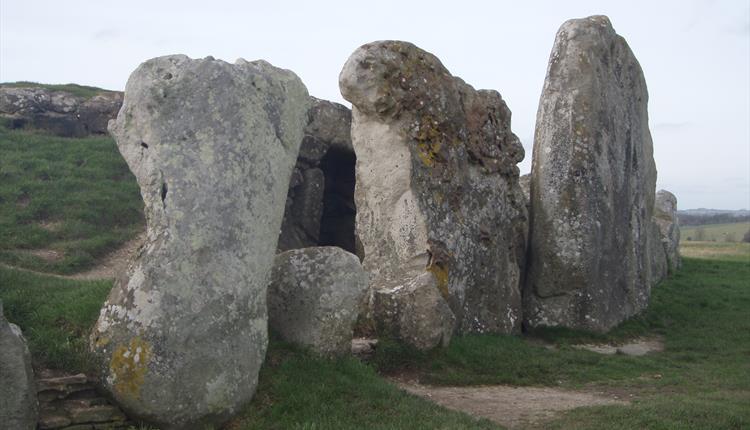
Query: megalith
<point x="665" y="216"/>
<point x="320" y="204"/>
<point x="437" y="184"/>
<point x="18" y="402"/>
<point x="314" y="297"/>
<point x="592" y="186"/>
<point x="212" y="145"/>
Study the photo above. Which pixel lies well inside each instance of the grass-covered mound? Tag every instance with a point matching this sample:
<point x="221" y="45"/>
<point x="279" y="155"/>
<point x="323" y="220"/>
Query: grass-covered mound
<point x="84" y="91"/>
<point x="64" y="202"/>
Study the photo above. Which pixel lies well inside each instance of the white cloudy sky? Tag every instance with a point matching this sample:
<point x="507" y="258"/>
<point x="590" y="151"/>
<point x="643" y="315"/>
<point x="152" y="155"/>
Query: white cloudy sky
<point x="695" y="55"/>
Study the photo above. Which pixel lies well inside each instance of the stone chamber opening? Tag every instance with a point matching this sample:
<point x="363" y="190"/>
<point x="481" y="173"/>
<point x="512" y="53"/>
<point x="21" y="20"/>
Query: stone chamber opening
<point x="339" y="210"/>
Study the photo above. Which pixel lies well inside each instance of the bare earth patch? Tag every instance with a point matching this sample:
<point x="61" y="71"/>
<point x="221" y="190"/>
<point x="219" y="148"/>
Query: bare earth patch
<point x="636" y="347"/>
<point x="512" y="407"/>
<point x="51" y="225"/>
<point x="47" y="254"/>
<point x="115" y="262"/>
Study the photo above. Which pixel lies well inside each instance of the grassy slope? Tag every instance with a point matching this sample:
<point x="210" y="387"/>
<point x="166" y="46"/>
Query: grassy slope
<point x="55" y="315"/>
<point x="73" y="196"/>
<point x="718" y="232"/>
<point x="75" y="89"/>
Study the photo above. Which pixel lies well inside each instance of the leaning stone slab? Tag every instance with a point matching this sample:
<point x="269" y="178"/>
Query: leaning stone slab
<point x="437" y="183"/>
<point x="313" y="298"/>
<point x="665" y="216"/>
<point x="183" y="333"/>
<point x="18" y="402"/>
<point x="592" y="186"/>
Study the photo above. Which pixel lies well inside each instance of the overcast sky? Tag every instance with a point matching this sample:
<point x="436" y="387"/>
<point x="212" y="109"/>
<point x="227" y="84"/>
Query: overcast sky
<point x="695" y="55"/>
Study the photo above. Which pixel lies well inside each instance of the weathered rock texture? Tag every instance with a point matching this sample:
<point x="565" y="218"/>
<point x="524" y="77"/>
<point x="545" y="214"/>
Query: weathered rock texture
<point x="665" y="216"/>
<point x="313" y="297"/>
<point x="592" y="187"/>
<point x="18" y="403"/>
<point x="320" y="204"/>
<point x="437" y="183"/>
<point x="58" y="112"/>
<point x="415" y="312"/>
<point x="71" y="402"/>
<point x="182" y="336"/>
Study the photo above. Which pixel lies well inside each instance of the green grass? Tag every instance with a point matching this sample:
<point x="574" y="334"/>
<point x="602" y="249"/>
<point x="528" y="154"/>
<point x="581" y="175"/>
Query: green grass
<point x="730" y="232"/>
<point x="298" y="390"/>
<point x="76" y="197"/>
<point x="701" y="380"/>
<point x="55" y="315"/>
<point x="75" y="89"/>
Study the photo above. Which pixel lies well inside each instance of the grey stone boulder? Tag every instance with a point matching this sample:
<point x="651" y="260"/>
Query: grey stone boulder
<point x="665" y="216"/>
<point x="58" y="112"/>
<point x="659" y="267"/>
<point x="182" y="335"/>
<point x="437" y="183"/>
<point x="313" y="298"/>
<point x="414" y="313"/>
<point x="320" y="203"/>
<point x="18" y="402"/>
<point x="592" y="186"/>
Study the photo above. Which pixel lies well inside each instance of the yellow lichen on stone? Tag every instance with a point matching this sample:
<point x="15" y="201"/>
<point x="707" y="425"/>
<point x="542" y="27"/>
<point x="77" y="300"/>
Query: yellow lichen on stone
<point x="428" y="139"/>
<point x="101" y="342"/>
<point x="440" y="273"/>
<point x="128" y="367"/>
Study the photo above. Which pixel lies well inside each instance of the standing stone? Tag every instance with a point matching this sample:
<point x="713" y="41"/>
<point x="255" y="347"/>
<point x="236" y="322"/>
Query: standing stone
<point x="313" y="298"/>
<point x="592" y="186"/>
<point x="665" y="216"/>
<point x="320" y="202"/>
<point x="437" y="183"/>
<point x="659" y="268"/>
<point x="183" y="334"/>
<point x="18" y="404"/>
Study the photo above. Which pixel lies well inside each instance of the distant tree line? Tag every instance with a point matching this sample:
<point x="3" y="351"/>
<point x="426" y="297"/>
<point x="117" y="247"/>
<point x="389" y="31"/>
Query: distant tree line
<point x="686" y="219"/>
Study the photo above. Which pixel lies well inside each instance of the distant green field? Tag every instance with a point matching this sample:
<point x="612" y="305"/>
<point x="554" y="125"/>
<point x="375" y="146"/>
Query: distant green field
<point x="731" y="232"/>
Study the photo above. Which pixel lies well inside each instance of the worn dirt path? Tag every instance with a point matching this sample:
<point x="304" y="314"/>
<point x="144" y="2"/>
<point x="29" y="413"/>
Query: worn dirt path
<point x="113" y="264"/>
<point x="512" y="407"/>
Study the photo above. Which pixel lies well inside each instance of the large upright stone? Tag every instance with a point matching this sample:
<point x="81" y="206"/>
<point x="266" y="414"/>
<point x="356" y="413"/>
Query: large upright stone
<point x="437" y="183"/>
<point x="18" y="403"/>
<point x="592" y="187"/>
<point x="665" y="216"/>
<point x="183" y="334"/>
